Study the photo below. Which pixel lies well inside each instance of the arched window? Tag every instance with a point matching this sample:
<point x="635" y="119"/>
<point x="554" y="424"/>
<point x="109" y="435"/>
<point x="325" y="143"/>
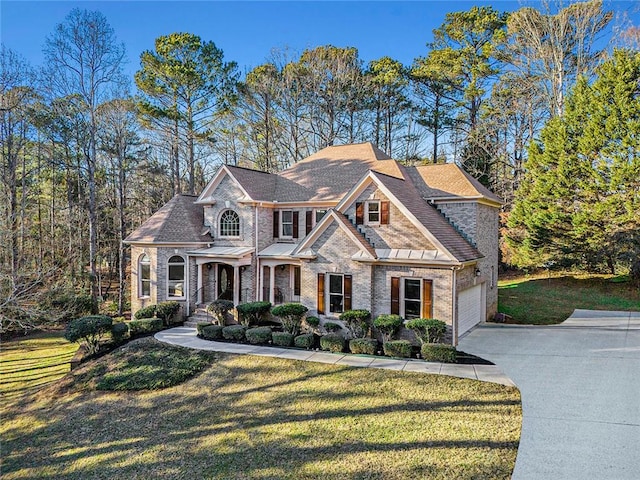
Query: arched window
<point x="144" y="276"/>
<point x="229" y="224"/>
<point x="175" y="283"/>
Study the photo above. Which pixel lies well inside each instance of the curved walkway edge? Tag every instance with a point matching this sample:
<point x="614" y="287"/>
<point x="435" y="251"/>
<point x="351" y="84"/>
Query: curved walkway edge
<point x="186" y="337"/>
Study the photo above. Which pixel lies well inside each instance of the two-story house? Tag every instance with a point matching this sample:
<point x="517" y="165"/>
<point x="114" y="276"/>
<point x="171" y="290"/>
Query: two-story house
<point x="346" y="228"/>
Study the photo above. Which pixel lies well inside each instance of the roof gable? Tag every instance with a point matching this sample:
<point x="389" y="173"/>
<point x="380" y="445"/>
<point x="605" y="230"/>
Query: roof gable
<point x="206" y="197"/>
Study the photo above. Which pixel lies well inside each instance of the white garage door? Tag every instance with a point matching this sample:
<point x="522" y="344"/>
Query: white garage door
<point x="469" y="309"/>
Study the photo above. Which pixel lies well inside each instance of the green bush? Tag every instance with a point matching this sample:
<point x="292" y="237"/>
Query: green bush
<point x="291" y="315"/>
<point x="251" y="313"/>
<point x="119" y="332"/>
<point x="167" y="311"/>
<point x="428" y="330"/>
<point x="388" y="325"/>
<point x="144" y="326"/>
<point x="212" y="332"/>
<point x="438" y="352"/>
<point x="357" y="322"/>
<point x="234" y="332"/>
<point x="220" y="308"/>
<point x="146" y="312"/>
<point x="258" y="335"/>
<point x="282" y="339"/>
<point x="88" y="330"/>
<point x="200" y="326"/>
<point x="367" y="346"/>
<point x="312" y="324"/>
<point x="306" y="340"/>
<point x="397" y="348"/>
<point x="332" y="327"/>
<point x="332" y="342"/>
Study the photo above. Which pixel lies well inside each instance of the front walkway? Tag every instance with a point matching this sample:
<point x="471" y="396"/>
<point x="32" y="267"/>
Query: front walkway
<point x="186" y="337"/>
<point x="580" y="386"/>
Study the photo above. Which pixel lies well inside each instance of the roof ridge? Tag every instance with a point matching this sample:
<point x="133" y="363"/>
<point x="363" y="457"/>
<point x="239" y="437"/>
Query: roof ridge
<point x="249" y="169"/>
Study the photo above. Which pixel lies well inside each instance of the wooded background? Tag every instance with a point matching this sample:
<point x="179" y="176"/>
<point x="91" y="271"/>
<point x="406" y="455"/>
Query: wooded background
<point x="541" y="105"/>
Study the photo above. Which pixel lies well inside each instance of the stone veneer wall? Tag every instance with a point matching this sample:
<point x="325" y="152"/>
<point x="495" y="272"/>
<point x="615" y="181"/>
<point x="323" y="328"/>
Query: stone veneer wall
<point x="488" y="244"/>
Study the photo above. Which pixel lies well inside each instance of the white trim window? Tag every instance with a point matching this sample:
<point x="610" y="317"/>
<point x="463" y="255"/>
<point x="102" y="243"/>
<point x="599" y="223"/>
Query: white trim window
<point x="411" y="298"/>
<point x="318" y="214"/>
<point x="144" y="276"/>
<point x="229" y="224"/>
<point x="175" y="277"/>
<point x="336" y="292"/>
<point x="286" y="224"/>
<point x="372" y="212"/>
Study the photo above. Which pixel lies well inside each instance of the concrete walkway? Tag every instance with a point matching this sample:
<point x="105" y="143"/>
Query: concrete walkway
<point x="186" y="337"/>
<point x="580" y="386"/>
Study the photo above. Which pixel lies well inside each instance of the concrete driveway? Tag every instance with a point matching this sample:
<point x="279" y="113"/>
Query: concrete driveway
<point x="580" y="386"/>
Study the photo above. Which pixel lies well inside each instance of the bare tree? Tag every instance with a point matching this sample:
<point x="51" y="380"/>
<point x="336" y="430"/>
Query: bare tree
<point x="85" y="59"/>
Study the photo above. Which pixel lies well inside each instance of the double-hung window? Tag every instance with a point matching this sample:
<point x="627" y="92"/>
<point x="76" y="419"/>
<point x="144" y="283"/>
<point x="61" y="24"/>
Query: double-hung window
<point x="372" y="213"/>
<point x="286" y="224"/>
<point x="175" y="283"/>
<point x="144" y="276"/>
<point x="412" y="297"/>
<point x="319" y="214"/>
<point x="336" y="293"/>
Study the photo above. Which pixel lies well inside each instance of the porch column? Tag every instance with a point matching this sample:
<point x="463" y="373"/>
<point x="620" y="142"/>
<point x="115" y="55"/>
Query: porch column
<point x="199" y="284"/>
<point x="236" y="285"/>
<point x="260" y="295"/>
<point x="272" y="284"/>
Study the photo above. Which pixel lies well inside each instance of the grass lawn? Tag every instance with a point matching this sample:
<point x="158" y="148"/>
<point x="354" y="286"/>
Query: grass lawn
<point x="26" y="364"/>
<point x="251" y="417"/>
<point x="542" y="300"/>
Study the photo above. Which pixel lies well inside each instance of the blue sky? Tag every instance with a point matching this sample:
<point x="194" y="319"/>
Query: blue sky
<point x="248" y="31"/>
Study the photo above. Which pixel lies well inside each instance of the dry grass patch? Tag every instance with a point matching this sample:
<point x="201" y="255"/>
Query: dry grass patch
<point x="250" y="417"/>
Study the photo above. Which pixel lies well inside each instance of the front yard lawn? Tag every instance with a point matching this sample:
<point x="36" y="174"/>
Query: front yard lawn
<point x="251" y="417"/>
<point x="544" y="300"/>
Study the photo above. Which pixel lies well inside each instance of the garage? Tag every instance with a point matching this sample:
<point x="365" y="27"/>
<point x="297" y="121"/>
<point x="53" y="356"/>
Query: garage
<point x="470" y="308"/>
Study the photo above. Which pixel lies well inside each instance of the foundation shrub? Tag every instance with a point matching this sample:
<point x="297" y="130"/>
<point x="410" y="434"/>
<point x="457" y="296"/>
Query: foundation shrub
<point x="397" y="348"/>
<point x="306" y="340"/>
<point x="366" y="346"/>
<point x="438" y="352"/>
<point x="332" y="342"/>
<point x="212" y="332"/>
<point x="282" y="339"/>
<point x="258" y="335"/>
<point x="234" y="332"/>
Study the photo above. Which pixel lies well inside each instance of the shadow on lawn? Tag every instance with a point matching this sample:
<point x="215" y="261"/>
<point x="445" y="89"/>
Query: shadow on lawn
<point x="217" y="427"/>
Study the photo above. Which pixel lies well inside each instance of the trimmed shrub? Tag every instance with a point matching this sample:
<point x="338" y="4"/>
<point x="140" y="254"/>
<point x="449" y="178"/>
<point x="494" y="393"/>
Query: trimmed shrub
<point x="282" y="339"/>
<point x="212" y="332"/>
<point x="438" y="352"/>
<point x="388" y="325"/>
<point x="312" y="324"/>
<point x="145" y="326"/>
<point x="306" y="340"/>
<point x="258" y="335"/>
<point x="291" y="315"/>
<point x="167" y="311"/>
<point x="234" y="332"/>
<point x="220" y="309"/>
<point x="200" y="326"/>
<point x="119" y="332"/>
<point x="357" y="322"/>
<point x="428" y="330"/>
<point x="332" y="342"/>
<point x="367" y="346"/>
<point x="147" y="312"/>
<point x="88" y="330"/>
<point x="251" y="313"/>
<point x="397" y="348"/>
<point x="332" y="327"/>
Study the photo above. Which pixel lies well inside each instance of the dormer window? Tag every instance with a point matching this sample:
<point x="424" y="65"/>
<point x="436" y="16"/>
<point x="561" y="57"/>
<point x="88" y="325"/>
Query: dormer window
<point x="229" y="224"/>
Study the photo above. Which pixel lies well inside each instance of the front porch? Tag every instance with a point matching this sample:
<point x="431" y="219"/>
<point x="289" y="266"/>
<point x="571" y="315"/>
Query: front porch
<point x="279" y="274"/>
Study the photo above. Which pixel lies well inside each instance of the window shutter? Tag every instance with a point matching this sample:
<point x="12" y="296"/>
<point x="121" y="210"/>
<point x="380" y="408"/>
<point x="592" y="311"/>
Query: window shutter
<point x="427" y="299"/>
<point x="308" y="222"/>
<point x="359" y="213"/>
<point x="384" y="213"/>
<point x="296" y="221"/>
<point x="395" y="295"/>
<point x="347" y="292"/>
<point x="276" y="224"/>
<point x="321" y="294"/>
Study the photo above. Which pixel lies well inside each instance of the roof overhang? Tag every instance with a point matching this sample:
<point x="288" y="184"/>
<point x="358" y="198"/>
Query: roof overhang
<point x="231" y="255"/>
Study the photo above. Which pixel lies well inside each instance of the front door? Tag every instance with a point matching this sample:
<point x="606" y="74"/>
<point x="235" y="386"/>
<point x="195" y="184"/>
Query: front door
<point x="225" y="282"/>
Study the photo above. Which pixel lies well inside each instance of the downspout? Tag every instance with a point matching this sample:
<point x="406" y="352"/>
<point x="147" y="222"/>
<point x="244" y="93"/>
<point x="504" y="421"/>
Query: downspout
<point x="255" y="242"/>
<point x="454" y="299"/>
<point x="188" y="285"/>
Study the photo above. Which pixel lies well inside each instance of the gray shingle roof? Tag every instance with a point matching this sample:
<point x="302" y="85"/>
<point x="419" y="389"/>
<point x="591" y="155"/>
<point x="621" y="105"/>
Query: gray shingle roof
<point x="178" y="221"/>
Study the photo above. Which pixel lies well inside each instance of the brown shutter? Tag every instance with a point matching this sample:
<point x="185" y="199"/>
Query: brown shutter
<point x="359" y="213"/>
<point x="427" y="299"/>
<point x="395" y="295"/>
<point x="308" y="222"/>
<point x="384" y="213"/>
<point x="347" y="292"/>
<point x="321" y="294"/>
<point x="296" y="221"/>
<point x="276" y="224"/>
